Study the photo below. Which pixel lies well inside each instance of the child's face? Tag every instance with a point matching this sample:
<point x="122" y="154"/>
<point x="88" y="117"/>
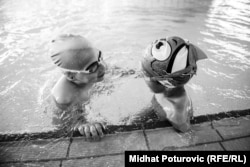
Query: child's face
<point x="94" y="72"/>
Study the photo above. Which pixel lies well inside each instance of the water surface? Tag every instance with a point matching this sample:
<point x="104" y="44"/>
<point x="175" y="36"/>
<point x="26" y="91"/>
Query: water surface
<point x="122" y="30"/>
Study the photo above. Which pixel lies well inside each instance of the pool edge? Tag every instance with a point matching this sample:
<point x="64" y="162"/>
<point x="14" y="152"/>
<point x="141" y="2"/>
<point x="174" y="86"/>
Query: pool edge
<point x="112" y="129"/>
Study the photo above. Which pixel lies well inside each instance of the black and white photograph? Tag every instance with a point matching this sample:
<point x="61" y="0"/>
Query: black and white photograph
<point x="116" y="83"/>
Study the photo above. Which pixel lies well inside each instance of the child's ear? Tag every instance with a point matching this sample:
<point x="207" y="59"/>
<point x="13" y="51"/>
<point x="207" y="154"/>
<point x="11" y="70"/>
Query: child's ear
<point x="70" y="75"/>
<point x="199" y="54"/>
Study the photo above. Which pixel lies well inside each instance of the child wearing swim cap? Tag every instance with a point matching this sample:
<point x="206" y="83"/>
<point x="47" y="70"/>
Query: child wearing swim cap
<point x="82" y="66"/>
<point x="168" y="64"/>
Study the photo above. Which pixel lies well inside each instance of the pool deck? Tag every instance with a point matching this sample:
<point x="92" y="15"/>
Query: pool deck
<point x="225" y="134"/>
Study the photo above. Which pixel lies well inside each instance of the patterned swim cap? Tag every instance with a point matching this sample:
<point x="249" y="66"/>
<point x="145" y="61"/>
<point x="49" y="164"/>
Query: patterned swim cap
<point x="171" y="61"/>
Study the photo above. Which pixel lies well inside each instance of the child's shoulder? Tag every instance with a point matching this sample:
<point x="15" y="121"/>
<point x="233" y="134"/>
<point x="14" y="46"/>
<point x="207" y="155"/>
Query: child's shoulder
<point x="64" y="92"/>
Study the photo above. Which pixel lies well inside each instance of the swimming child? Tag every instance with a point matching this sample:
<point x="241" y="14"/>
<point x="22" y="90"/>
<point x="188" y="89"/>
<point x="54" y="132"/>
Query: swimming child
<point x="82" y="66"/>
<point x="168" y="64"/>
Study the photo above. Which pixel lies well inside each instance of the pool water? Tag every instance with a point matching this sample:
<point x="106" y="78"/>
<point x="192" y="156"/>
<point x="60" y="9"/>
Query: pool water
<point x="122" y="30"/>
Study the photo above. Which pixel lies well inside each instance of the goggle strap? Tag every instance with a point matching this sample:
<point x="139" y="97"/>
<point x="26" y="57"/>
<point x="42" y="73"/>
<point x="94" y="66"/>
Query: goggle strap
<point x="80" y="71"/>
<point x="74" y="71"/>
<point x="187" y="71"/>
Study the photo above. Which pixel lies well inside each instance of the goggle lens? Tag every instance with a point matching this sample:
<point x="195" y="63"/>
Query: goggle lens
<point x="92" y="68"/>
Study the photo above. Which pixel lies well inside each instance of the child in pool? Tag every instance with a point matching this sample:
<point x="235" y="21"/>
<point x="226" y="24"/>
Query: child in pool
<point x="82" y="66"/>
<point x="168" y="64"/>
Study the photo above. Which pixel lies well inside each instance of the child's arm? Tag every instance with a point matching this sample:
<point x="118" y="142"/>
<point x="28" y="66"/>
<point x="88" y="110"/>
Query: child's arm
<point x="174" y="103"/>
<point x="177" y="108"/>
<point x="74" y="118"/>
<point x="67" y="97"/>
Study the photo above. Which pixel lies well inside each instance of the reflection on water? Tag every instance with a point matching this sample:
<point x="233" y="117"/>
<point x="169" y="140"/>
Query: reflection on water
<point x="121" y="30"/>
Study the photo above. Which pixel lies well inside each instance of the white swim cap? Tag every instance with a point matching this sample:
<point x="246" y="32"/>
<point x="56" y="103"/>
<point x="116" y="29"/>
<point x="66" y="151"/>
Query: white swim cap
<point x="72" y="52"/>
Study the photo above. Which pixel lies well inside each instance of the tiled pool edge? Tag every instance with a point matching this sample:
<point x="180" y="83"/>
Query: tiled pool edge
<point x="223" y="135"/>
<point x="124" y="128"/>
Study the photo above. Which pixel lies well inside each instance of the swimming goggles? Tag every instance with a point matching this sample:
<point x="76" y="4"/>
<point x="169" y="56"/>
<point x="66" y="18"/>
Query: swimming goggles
<point x="92" y="68"/>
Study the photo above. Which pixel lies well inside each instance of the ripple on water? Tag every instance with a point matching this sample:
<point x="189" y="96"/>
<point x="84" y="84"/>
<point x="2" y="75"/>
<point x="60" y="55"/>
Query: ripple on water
<point x="122" y="30"/>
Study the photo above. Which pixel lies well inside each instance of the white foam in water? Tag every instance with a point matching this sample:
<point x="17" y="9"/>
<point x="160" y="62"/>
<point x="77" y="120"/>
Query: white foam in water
<point x="119" y="104"/>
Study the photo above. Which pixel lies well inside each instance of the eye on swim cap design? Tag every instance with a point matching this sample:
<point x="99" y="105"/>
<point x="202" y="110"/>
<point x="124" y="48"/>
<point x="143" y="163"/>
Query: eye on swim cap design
<point x="72" y="52"/>
<point x="172" y="59"/>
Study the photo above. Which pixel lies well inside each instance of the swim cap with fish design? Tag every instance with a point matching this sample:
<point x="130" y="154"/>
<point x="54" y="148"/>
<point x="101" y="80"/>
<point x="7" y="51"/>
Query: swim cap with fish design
<point x="171" y="61"/>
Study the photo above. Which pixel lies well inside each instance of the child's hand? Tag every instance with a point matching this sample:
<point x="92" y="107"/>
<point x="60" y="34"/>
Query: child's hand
<point x="92" y="131"/>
